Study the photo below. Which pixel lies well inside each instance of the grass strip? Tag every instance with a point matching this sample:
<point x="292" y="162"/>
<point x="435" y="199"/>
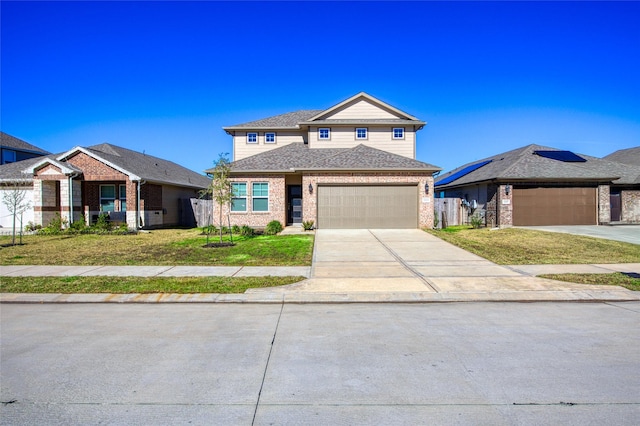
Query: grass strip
<point x="516" y="246"/>
<point x="630" y="281"/>
<point x="182" y="285"/>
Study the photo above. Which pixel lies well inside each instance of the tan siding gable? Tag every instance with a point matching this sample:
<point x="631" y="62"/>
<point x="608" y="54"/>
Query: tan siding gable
<point x="361" y="109"/>
<point x="377" y="137"/>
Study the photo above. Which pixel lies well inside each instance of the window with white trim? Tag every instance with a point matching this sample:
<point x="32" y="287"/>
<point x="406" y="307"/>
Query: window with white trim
<point x="123" y="198"/>
<point x="324" y="133"/>
<point x="398" y="132"/>
<point x="260" y="196"/>
<point x="252" y="138"/>
<point x="361" y="133"/>
<point x="239" y="198"/>
<point x="107" y="198"/>
<point x="269" y="138"/>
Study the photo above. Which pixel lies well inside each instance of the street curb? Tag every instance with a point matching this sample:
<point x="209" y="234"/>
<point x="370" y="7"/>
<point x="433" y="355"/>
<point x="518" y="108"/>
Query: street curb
<point x="324" y="298"/>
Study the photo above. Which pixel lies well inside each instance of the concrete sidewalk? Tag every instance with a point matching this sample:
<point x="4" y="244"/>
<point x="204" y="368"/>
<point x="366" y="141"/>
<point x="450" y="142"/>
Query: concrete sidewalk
<point x="394" y="266"/>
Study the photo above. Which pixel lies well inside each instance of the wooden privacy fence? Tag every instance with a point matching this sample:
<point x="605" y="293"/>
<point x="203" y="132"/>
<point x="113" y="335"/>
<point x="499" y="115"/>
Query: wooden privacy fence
<point x="449" y="212"/>
<point x="201" y="211"/>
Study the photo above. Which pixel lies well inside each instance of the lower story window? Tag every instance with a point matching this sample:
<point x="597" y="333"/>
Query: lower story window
<point x="239" y="199"/>
<point x="107" y="198"/>
<point x="260" y="193"/>
<point x="123" y="198"/>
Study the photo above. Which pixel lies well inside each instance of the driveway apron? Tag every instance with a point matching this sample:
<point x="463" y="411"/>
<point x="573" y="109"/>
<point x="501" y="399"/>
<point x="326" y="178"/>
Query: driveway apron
<point x="397" y="260"/>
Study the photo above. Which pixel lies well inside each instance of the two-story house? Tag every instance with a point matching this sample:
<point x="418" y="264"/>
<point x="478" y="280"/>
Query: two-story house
<point x="349" y="166"/>
<point x="13" y="149"/>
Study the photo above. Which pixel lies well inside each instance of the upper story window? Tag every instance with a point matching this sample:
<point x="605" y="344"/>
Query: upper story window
<point x="252" y="138"/>
<point x="398" y="132"/>
<point x="269" y="138"/>
<point x="361" y="133"/>
<point x="8" y="156"/>
<point x="239" y="199"/>
<point x="324" y="133"/>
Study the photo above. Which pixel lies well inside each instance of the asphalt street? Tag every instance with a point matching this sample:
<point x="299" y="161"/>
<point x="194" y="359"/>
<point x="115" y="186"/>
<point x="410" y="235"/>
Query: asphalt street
<point x="391" y="364"/>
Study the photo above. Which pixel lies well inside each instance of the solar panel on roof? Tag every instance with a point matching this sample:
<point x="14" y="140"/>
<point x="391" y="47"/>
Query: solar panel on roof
<point x="457" y="175"/>
<point x="565" y="156"/>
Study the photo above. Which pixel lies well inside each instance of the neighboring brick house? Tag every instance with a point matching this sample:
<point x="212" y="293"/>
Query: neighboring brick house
<point x="625" y="192"/>
<point x="538" y="185"/>
<point x="350" y="166"/>
<point x="12" y="152"/>
<point x="131" y="187"/>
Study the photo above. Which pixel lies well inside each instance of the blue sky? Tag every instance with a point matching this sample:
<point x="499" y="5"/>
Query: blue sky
<point x="164" y="77"/>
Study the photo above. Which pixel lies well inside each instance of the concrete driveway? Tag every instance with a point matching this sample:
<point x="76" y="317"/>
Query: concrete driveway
<point x="624" y="233"/>
<point x="410" y="260"/>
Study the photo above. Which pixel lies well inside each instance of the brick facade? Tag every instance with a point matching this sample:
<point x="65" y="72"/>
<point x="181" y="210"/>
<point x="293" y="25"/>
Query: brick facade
<point x="630" y="206"/>
<point x="278" y="194"/>
<point x="604" y="204"/>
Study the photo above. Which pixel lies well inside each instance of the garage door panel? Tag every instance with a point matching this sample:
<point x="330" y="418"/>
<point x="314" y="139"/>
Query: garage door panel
<point x="367" y="206"/>
<point x="554" y="206"/>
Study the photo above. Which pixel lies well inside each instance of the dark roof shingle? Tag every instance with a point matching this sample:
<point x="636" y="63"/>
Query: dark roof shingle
<point x="524" y="164"/>
<point x="298" y="156"/>
<point x="9" y="141"/>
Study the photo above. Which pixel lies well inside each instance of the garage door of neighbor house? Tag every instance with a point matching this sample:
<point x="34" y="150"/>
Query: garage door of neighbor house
<point x="554" y="206"/>
<point x="367" y="206"/>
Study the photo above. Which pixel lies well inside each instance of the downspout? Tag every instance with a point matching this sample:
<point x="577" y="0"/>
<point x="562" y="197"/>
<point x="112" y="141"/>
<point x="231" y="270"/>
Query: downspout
<point x="139" y="211"/>
<point x="71" y="176"/>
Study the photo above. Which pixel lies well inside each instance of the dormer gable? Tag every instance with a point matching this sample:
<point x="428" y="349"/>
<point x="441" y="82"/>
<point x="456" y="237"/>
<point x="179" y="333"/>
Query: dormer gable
<point x="361" y="107"/>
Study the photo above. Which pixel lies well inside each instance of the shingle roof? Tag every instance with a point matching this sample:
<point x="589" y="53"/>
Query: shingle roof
<point x="148" y="167"/>
<point x="625" y="156"/>
<point x="282" y="121"/>
<point x="18" y="144"/>
<point x="522" y="164"/>
<point x="13" y="171"/>
<point x="298" y="156"/>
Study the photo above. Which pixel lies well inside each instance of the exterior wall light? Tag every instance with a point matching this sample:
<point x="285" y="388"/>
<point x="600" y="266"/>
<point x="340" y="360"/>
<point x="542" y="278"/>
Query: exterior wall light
<point x="507" y="189"/>
<point x="310" y="189"/>
<point x="426" y="188"/>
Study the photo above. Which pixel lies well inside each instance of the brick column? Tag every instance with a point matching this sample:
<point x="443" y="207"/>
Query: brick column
<point x="604" y="204"/>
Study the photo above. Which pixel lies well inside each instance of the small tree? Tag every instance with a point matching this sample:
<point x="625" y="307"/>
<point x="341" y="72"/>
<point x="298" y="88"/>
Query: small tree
<point x="220" y="188"/>
<point x="15" y="198"/>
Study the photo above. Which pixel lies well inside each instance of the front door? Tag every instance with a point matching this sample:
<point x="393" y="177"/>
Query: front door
<point x="294" y="204"/>
<point x="616" y="206"/>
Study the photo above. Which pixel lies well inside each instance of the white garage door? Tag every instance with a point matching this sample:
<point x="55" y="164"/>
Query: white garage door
<point x="367" y="206"/>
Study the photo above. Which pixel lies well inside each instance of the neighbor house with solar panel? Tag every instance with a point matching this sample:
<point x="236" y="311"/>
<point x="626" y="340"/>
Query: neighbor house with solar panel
<point x="538" y="185"/>
<point x="349" y="166"/>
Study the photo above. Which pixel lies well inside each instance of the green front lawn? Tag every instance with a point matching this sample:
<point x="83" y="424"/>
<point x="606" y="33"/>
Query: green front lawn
<point x="125" y="285"/>
<point x="515" y="246"/>
<point x="632" y="282"/>
<point x="159" y="247"/>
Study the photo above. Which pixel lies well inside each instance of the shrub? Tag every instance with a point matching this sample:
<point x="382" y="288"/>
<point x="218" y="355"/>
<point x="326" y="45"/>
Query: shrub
<point x="103" y="223"/>
<point x="307" y="225"/>
<point x="247" y="231"/>
<point x="476" y="221"/>
<point x="274" y="227"/>
<point x="56" y="226"/>
<point x="79" y="225"/>
<point x="235" y="229"/>
<point x="211" y="229"/>
<point x="29" y="227"/>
